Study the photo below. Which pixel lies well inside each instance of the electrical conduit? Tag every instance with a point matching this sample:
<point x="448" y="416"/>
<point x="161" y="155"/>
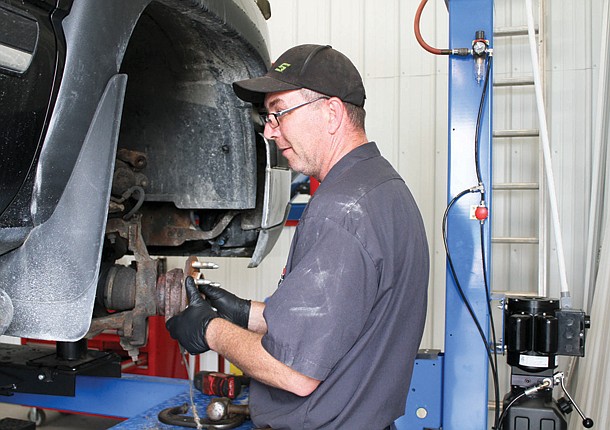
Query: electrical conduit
<point x="566" y="300"/>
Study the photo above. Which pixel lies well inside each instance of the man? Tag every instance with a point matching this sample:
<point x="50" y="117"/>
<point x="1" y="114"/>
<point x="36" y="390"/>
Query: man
<point x="333" y="347"/>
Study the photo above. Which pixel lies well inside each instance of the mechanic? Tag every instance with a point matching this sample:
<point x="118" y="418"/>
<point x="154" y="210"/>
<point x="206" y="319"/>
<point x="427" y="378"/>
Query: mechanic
<point x="334" y="346"/>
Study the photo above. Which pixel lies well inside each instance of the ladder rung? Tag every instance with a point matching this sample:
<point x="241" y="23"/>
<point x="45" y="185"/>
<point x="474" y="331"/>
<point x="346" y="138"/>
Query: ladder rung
<point x="516" y="186"/>
<point x="519" y="30"/>
<point x="514" y="82"/>
<point x="515" y="133"/>
<point x="516" y="240"/>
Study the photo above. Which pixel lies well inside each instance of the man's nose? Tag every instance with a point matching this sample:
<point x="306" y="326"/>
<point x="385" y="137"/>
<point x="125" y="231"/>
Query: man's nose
<point x="270" y="132"/>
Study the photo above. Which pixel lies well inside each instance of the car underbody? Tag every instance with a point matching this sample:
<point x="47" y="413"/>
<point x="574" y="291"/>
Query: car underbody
<point x="124" y="138"/>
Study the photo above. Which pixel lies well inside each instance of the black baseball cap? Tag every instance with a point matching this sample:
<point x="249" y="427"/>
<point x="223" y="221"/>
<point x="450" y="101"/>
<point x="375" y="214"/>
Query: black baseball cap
<point x="316" y="67"/>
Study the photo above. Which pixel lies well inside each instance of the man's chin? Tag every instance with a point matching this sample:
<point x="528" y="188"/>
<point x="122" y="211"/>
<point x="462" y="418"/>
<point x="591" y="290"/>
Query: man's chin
<point x="292" y="160"/>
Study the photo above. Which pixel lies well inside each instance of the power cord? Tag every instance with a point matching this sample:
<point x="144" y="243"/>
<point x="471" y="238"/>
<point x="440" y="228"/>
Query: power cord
<point x="477" y="142"/>
<point x="492" y="359"/>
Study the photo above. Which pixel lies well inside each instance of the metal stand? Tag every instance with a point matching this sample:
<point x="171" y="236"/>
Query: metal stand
<point x="42" y="369"/>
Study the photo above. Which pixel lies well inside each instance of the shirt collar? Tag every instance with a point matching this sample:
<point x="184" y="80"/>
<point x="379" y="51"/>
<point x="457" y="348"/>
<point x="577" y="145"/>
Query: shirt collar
<point x="360" y="153"/>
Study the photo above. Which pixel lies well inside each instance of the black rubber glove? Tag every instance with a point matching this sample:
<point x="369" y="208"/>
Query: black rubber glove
<point x="190" y="325"/>
<point x="228" y="305"/>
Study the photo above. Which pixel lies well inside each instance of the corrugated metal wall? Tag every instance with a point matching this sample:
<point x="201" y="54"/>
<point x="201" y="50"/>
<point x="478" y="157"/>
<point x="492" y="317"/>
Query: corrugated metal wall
<point x="407" y="117"/>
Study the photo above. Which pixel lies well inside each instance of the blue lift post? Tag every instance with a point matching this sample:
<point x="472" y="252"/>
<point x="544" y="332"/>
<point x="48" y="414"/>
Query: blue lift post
<point x="461" y="372"/>
<point x="466" y="367"/>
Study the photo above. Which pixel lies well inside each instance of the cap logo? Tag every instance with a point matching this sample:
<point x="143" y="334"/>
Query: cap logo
<point x="282" y="67"/>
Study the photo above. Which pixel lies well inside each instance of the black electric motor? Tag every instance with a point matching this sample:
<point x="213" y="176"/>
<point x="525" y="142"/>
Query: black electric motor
<point x="536" y="332"/>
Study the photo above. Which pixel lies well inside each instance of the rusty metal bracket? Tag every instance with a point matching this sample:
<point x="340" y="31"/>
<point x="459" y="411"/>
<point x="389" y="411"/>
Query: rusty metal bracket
<point x="173" y="227"/>
<point x="132" y="324"/>
<point x="151" y="291"/>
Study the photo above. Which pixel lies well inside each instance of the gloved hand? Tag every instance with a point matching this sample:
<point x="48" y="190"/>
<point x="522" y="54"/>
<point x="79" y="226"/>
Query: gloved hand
<point x="228" y="305"/>
<point x="190" y="325"/>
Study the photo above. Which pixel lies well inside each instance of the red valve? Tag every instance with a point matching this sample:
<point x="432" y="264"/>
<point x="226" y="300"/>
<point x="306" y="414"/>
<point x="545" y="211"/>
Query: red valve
<point x="481" y="213"/>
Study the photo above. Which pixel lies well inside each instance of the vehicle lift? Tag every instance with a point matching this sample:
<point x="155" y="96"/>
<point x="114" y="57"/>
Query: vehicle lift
<point x="449" y="389"/>
<point x="457" y="398"/>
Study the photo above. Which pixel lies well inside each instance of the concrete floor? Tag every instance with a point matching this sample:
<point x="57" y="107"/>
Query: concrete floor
<point x="58" y="421"/>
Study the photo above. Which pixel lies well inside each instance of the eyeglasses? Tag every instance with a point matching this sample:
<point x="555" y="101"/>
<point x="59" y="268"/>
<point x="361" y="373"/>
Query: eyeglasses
<point x="272" y="118"/>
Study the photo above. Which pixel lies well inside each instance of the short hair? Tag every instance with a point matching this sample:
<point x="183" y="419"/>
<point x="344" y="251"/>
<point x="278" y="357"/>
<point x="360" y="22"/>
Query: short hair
<point x="356" y="114"/>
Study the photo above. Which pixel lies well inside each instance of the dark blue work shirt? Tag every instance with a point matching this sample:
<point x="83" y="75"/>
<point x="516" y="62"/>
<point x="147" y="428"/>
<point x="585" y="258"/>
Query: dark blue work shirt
<point x="351" y="308"/>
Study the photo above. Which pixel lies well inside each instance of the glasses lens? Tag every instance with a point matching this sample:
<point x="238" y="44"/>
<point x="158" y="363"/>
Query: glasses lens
<point x="273" y="120"/>
<point x="269" y="118"/>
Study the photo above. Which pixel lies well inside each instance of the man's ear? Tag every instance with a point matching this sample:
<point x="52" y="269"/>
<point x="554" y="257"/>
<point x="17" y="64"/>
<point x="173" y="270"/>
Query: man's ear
<point x="337" y="114"/>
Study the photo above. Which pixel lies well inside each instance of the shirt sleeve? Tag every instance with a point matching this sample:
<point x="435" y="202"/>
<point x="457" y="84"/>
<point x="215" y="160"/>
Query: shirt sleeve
<point x="320" y="308"/>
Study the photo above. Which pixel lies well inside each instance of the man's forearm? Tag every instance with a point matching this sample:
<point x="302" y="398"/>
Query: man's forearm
<point x="256" y="322"/>
<point x="244" y="349"/>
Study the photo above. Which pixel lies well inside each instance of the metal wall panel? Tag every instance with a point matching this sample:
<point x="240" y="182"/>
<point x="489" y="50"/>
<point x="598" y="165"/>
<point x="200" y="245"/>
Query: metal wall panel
<point x="571" y="66"/>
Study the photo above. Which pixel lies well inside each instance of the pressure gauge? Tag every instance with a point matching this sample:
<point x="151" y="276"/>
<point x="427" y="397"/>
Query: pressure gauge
<point x="479" y="47"/>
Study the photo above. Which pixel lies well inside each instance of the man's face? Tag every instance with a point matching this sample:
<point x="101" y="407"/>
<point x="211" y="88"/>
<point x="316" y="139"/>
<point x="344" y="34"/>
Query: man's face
<point x="300" y="134"/>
